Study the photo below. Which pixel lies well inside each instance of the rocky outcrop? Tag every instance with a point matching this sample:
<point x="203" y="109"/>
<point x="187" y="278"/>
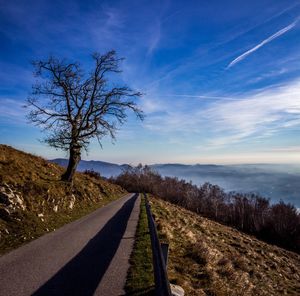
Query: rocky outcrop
<point x="72" y="202"/>
<point x="10" y="199"/>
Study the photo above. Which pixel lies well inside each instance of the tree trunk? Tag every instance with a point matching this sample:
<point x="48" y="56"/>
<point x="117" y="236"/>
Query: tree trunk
<point x="75" y="156"/>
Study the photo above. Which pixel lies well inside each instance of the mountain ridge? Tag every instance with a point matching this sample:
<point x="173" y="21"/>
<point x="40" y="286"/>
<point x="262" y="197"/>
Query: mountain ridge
<point x="274" y="181"/>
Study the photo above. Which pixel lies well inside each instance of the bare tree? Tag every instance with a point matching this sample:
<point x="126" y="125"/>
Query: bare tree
<point x="74" y="107"/>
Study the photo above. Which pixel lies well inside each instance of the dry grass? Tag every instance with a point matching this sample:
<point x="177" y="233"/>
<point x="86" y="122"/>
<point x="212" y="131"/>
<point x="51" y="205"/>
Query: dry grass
<point x="47" y="203"/>
<point x="207" y="258"/>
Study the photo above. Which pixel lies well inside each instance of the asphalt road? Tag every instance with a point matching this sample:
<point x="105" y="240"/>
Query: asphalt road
<point x="86" y="257"/>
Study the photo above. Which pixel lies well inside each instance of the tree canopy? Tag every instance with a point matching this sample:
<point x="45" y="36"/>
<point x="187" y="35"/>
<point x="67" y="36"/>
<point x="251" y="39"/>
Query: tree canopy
<point x="73" y="106"/>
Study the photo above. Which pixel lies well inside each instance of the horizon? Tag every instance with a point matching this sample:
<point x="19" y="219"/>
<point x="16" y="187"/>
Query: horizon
<point x="221" y="81"/>
<point x="183" y="163"/>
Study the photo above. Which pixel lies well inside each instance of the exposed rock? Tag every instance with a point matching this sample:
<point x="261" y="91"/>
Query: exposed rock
<point x="20" y="202"/>
<point x="41" y="215"/>
<point x="55" y="208"/>
<point x="11" y="198"/>
<point x="176" y="290"/>
<point x="72" y="201"/>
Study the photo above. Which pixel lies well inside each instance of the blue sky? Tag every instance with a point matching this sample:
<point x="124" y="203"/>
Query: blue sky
<point x="221" y="78"/>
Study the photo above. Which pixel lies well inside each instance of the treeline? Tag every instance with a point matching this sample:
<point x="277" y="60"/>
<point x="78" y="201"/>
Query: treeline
<point x="275" y="223"/>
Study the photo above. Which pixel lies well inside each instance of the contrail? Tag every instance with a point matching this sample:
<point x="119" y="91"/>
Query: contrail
<point x="269" y="39"/>
<point x="200" y="97"/>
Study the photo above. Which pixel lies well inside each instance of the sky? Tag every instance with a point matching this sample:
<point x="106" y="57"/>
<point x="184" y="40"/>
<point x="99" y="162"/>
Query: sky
<point x="221" y="79"/>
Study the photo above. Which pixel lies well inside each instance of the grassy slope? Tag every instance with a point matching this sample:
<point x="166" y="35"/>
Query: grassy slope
<point x="207" y="258"/>
<point x="47" y="203"/>
<point x="140" y="280"/>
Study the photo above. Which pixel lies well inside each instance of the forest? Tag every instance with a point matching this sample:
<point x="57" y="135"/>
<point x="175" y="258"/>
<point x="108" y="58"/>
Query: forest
<point x="278" y="224"/>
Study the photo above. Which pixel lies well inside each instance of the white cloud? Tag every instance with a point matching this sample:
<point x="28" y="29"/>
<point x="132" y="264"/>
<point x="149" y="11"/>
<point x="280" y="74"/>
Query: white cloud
<point x="264" y="42"/>
<point x="12" y="110"/>
<point x="258" y="115"/>
<point x="271" y="74"/>
<point x="291" y="149"/>
<point x="224" y="122"/>
<point x="155" y="36"/>
<point x="114" y="18"/>
<point x="151" y="104"/>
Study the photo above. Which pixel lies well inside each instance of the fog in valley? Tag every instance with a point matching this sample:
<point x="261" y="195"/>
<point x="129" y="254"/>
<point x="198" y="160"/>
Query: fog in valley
<point x="274" y="181"/>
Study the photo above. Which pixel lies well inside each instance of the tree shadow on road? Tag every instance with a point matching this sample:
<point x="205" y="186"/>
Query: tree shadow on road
<point x="83" y="273"/>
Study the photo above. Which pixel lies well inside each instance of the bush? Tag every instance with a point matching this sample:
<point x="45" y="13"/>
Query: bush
<point x="278" y="223"/>
<point x="93" y="174"/>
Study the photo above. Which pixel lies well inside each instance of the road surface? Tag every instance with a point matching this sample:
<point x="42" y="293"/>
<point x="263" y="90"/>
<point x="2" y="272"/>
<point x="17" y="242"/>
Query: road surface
<point x="86" y="257"/>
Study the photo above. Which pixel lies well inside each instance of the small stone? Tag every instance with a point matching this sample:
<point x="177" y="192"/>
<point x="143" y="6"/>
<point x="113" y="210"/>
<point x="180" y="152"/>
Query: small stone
<point x="176" y="290"/>
<point x="10" y="198"/>
<point x="72" y="202"/>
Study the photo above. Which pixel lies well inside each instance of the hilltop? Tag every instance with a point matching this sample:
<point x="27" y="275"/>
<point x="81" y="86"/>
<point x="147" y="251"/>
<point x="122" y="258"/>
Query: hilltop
<point x="34" y="201"/>
<point x="208" y="258"/>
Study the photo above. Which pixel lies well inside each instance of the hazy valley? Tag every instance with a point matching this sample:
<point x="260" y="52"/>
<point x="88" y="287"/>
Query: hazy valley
<point x="218" y="256"/>
<point x="273" y="181"/>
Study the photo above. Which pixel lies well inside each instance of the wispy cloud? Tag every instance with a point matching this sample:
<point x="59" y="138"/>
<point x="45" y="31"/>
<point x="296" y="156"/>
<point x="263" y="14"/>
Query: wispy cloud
<point x="200" y="97"/>
<point x="155" y="37"/>
<point x="287" y="149"/>
<point x="248" y="30"/>
<point x="256" y="116"/>
<point x="264" y="42"/>
<point x="12" y="111"/>
<point x="224" y="122"/>
<point x="268" y="75"/>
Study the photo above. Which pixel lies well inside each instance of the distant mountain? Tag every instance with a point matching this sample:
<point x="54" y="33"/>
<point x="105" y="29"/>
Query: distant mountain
<point x="273" y="181"/>
<point x="270" y="180"/>
<point x="106" y="169"/>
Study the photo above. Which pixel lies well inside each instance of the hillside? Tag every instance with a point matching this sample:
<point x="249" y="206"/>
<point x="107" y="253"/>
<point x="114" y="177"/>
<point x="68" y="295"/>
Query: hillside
<point x="34" y="201"/>
<point x="270" y="180"/>
<point x="207" y="258"/>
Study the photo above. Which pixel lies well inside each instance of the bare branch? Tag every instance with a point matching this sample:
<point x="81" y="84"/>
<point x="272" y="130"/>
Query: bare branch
<point x="79" y="107"/>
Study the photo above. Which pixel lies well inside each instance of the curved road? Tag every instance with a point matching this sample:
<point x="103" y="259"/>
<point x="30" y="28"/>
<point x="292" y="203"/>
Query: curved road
<point x="89" y="256"/>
